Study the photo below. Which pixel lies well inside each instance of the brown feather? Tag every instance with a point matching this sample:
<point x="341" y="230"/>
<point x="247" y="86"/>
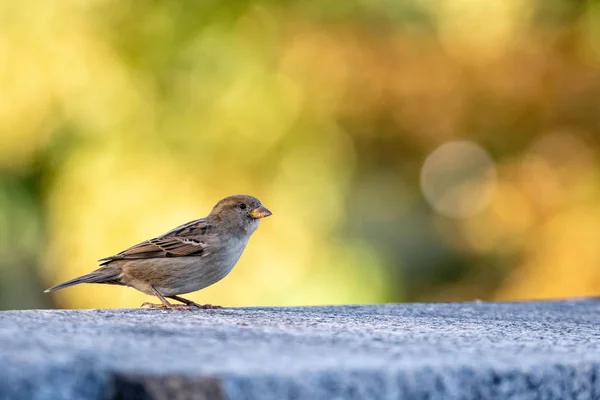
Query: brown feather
<point x="179" y="242"/>
<point x="108" y="275"/>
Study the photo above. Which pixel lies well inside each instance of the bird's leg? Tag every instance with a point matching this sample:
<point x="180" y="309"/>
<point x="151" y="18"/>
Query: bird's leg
<point x="165" y="303"/>
<point x="193" y="303"/>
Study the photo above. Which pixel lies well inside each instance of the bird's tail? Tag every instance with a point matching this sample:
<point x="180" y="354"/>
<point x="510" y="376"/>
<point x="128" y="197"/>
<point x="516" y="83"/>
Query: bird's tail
<point x="101" y="275"/>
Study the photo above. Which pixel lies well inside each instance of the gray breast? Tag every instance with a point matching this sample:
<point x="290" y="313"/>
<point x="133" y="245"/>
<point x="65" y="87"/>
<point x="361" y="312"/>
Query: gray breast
<point x="194" y="273"/>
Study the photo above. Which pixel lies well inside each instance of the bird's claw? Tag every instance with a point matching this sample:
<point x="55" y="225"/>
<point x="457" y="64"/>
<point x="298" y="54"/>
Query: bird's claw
<point x="203" y="306"/>
<point x="164" y="306"/>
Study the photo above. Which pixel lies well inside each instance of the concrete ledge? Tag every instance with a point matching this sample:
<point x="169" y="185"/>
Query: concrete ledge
<point x="547" y="350"/>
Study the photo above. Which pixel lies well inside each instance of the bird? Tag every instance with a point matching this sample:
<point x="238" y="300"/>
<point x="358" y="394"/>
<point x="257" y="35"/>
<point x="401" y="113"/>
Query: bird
<point x="188" y="258"/>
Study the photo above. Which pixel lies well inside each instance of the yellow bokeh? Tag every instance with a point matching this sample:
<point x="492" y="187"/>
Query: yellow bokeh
<point x="122" y="120"/>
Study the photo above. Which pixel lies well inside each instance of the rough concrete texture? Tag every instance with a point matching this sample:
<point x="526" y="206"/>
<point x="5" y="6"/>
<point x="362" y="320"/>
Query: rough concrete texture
<point x="548" y="350"/>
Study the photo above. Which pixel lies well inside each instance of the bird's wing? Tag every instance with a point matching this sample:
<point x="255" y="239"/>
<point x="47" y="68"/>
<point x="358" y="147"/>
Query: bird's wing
<point x="184" y="241"/>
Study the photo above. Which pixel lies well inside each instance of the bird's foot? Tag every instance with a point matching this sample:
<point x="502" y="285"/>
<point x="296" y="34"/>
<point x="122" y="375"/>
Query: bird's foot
<point x="164" y="306"/>
<point x="194" y="304"/>
<point x="203" y="306"/>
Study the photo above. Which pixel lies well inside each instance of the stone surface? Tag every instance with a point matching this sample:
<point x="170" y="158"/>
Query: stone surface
<point x="548" y="350"/>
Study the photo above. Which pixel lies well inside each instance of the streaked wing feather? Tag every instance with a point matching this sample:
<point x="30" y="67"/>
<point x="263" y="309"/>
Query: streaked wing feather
<point x="184" y="241"/>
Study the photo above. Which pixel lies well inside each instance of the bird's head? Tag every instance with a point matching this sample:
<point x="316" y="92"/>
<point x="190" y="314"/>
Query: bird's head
<point x="240" y="213"/>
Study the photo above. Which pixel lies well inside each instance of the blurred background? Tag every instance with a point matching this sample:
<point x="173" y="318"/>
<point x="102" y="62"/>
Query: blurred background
<point x="413" y="150"/>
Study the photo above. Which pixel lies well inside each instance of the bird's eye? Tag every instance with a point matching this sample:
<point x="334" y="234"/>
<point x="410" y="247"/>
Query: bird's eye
<point x="243" y="206"/>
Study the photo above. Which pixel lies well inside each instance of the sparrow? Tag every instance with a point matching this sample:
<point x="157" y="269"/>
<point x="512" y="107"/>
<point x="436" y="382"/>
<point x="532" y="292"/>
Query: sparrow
<point x="186" y="259"/>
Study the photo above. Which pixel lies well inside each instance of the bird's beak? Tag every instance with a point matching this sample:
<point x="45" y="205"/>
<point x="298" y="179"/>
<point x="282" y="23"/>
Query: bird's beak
<point x="260" y="212"/>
